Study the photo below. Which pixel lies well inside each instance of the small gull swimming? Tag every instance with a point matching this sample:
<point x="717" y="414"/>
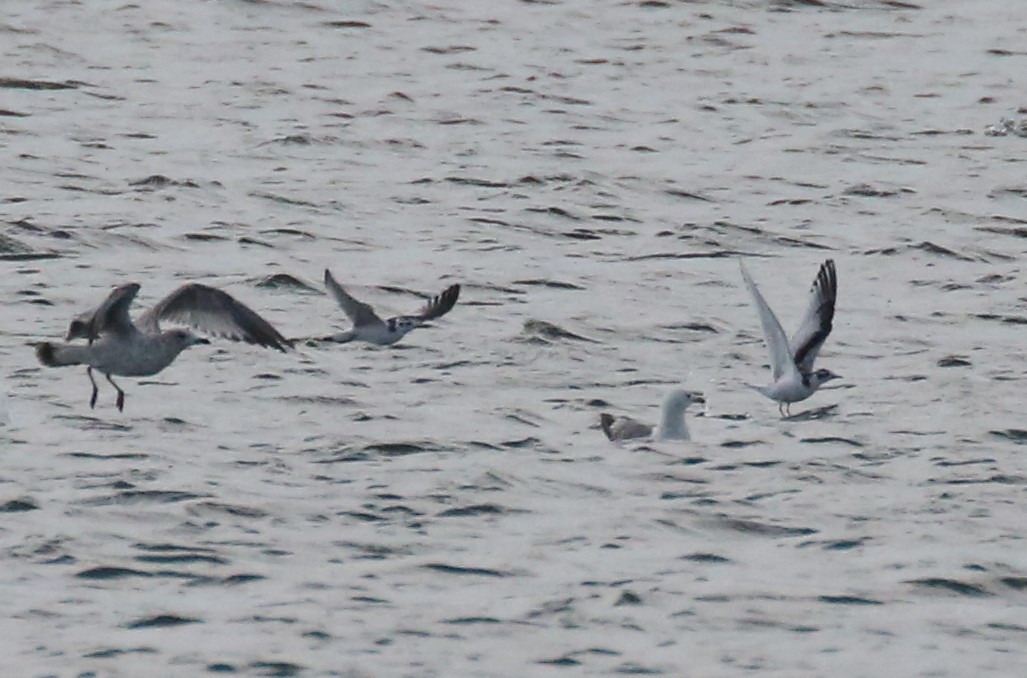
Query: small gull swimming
<point x="672" y="420"/>
<point x="367" y="326"/>
<point x="120" y="347"/>
<point x="792" y="361"/>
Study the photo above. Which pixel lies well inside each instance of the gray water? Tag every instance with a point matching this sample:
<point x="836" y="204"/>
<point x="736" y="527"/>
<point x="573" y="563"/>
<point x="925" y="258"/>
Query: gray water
<point x="589" y="172"/>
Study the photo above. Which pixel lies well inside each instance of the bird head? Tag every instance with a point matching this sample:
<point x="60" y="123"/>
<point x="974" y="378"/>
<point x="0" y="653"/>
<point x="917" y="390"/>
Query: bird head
<point x="823" y="376"/>
<point x="404" y="324"/>
<point x="183" y="339"/>
<point x="679" y="399"/>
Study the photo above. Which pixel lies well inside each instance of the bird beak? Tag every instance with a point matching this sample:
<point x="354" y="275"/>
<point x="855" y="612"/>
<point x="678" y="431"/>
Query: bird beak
<point x="201" y="340"/>
<point x="698" y="398"/>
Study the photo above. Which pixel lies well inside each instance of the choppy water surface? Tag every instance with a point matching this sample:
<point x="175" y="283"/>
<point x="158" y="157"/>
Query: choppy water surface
<point x="589" y="171"/>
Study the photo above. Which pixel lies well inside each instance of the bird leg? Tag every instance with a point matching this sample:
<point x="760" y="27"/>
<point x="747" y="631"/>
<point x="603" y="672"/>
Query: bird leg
<point x="96" y="391"/>
<point x="121" y="394"/>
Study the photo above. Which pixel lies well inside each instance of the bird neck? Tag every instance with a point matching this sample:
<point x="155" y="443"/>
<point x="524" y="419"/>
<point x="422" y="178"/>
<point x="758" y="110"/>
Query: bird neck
<point x="672" y="423"/>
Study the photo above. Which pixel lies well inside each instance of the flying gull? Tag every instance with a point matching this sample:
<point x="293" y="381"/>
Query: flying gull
<point x="367" y="326"/>
<point x="117" y="346"/>
<point x="672" y="420"/>
<point x="792" y="361"/>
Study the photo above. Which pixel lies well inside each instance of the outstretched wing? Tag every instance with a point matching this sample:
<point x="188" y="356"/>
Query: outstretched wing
<point x="359" y="313"/>
<point x="816" y="325"/>
<point x="109" y="316"/>
<point x="215" y="312"/>
<point x="440" y="305"/>
<point x="777" y="342"/>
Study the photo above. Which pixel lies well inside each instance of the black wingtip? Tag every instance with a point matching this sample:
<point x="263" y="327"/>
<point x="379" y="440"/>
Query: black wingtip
<point x="827" y="280"/>
<point x="276" y="341"/>
<point x="450" y="295"/>
<point x="828" y="275"/>
<point x="444" y="303"/>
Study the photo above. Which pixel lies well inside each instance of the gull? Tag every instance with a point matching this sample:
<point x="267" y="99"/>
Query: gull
<point x="367" y="326"/>
<point x="672" y="420"/>
<point x="792" y="361"/>
<point x="117" y="346"/>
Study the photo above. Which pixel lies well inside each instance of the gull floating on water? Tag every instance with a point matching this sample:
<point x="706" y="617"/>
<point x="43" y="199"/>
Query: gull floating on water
<point x="792" y="361"/>
<point x="672" y="420"/>
<point x="117" y="346"/>
<point x="367" y="326"/>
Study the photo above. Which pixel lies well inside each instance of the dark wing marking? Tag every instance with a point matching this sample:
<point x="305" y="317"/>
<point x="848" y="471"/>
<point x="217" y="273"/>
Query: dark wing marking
<point x="79" y="326"/>
<point x="214" y="312"/>
<point x="359" y="313"/>
<point x="440" y="305"/>
<point x="816" y="325"/>
<point x="623" y="428"/>
<point x="110" y="316"/>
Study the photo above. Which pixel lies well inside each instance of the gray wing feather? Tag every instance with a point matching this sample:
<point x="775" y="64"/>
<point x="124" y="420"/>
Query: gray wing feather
<point x="213" y="311"/>
<point x="359" y="313"/>
<point x="777" y="341"/>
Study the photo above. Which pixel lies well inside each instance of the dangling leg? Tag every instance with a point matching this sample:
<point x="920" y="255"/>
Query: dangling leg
<point x="121" y="394"/>
<point x="781" y="409"/>
<point x="96" y="391"/>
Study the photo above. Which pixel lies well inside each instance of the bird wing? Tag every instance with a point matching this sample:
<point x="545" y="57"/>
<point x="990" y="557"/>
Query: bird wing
<point x="110" y="316"/>
<point x="360" y="314"/>
<point x="214" y="312"/>
<point x="777" y="342"/>
<point x="816" y="325"/>
<point x="623" y="428"/>
<point x="441" y="304"/>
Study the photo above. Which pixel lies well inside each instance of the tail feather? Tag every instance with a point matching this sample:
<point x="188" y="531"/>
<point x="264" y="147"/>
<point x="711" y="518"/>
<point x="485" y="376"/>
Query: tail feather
<point x="45" y="352"/>
<point x="761" y="389"/>
<point x="57" y="355"/>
